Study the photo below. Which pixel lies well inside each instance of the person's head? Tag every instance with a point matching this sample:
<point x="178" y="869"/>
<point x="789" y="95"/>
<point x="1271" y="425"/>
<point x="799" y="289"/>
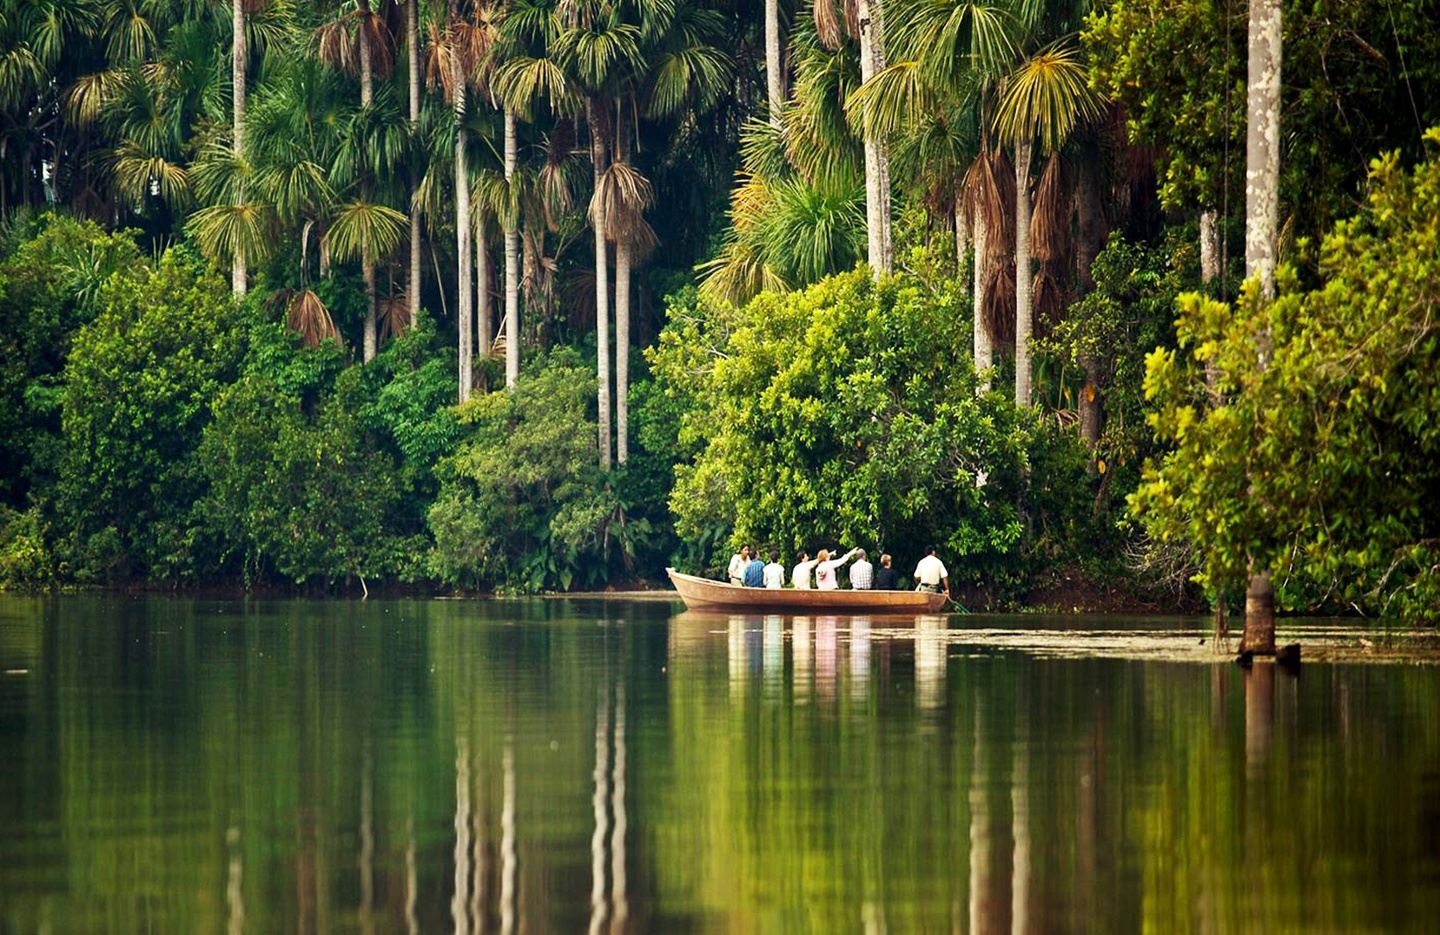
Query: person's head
<point x="803" y="556"/>
<point x="929" y="550"/>
<point x="860" y="555"/>
<point x="755" y="552"/>
<point x="885" y="561"/>
<point x="774" y="556"/>
<point x="824" y="556"/>
<point x="744" y="551"/>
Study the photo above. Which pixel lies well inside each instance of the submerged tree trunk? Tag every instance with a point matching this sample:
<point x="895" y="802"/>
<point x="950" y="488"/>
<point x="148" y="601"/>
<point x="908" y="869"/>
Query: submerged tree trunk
<point x="774" y="83"/>
<point x="602" y="291"/>
<point x="463" y="253"/>
<point x="1262" y="196"/>
<point x="237" y="79"/>
<point x="512" y="260"/>
<point x="412" y="32"/>
<point x="877" y="169"/>
<point x="1022" y="273"/>
<point x="984" y="354"/>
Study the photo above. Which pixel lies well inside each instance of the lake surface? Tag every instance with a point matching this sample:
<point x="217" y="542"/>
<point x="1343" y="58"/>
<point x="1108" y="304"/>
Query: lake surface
<point x="389" y="766"/>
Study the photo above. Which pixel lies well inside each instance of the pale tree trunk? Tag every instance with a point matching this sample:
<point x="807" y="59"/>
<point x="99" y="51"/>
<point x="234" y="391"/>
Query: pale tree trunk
<point x="1209" y="272"/>
<point x="602" y="295"/>
<point x="962" y="239"/>
<point x="237" y="80"/>
<point x="1022" y="273"/>
<point x="412" y="31"/>
<point x="622" y="351"/>
<point x="463" y="254"/>
<point x="484" y="319"/>
<point x="367" y="261"/>
<point x="877" y="170"/>
<point x="512" y="261"/>
<point x="1262" y="209"/>
<point x="1088" y="244"/>
<point x="774" y="81"/>
<point x="984" y="354"/>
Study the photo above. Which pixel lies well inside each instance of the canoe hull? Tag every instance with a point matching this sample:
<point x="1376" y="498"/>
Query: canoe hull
<point x="704" y="594"/>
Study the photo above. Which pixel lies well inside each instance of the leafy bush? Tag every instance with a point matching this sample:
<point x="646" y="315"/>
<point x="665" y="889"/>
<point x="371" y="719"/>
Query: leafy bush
<point x="521" y="502"/>
<point x="1320" y="461"/>
<point x="25" y="560"/>
<point x="847" y="414"/>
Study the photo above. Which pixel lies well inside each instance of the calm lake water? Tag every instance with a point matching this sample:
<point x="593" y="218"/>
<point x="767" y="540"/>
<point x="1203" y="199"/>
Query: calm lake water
<point x="199" y="766"/>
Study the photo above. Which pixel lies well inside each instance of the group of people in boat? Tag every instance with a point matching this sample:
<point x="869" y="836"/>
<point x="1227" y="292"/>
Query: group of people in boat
<point x="747" y="569"/>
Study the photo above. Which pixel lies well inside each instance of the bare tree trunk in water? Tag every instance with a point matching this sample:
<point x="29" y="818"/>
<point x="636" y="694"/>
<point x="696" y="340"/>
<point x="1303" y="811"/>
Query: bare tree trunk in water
<point x="877" y="170"/>
<point x="412" y="32"/>
<point x="602" y="292"/>
<point x="512" y="262"/>
<point x="237" y="81"/>
<point x="1022" y="273"/>
<point x="984" y="353"/>
<point x="1262" y="209"/>
<point x="463" y="254"/>
<point x="367" y="261"/>
<point x="774" y="81"/>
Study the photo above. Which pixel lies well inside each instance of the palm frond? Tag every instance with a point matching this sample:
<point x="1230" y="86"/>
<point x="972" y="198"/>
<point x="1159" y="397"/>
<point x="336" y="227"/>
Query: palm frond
<point x="307" y="315"/>
<point x="1050" y="235"/>
<point x="223" y="229"/>
<point x="1046" y="98"/>
<point x="363" y="224"/>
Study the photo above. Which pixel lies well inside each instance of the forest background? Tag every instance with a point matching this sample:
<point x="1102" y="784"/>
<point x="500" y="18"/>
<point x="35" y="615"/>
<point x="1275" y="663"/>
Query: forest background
<point x="553" y="293"/>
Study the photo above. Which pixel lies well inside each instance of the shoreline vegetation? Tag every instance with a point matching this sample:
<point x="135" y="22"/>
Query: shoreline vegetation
<point x="522" y="297"/>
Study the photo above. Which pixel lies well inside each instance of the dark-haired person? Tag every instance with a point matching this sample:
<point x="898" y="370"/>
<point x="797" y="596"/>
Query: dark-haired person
<point x="754" y="576"/>
<point x="931" y="574"/>
<point x="885" y="577"/>
<point x="774" y="572"/>
<point x="738" y="561"/>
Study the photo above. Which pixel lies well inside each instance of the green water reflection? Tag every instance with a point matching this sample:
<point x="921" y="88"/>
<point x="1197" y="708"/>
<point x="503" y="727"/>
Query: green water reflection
<point x="190" y="766"/>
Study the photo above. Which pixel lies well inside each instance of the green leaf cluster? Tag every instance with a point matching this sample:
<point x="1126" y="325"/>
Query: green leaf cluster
<point x="1321" y="459"/>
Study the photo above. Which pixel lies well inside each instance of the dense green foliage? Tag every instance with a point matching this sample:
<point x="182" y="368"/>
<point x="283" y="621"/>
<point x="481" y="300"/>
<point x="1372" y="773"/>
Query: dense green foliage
<point x="1322" y="461"/>
<point x="847" y="414"/>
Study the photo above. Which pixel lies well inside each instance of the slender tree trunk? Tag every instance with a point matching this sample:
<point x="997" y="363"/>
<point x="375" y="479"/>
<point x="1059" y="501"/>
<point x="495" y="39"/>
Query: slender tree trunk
<point x="984" y="354"/>
<point x="877" y="170"/>
<point x="622" y="351"/>
<point x="1088" y="245"/>
<point x="602" y="292"/>
<point x="463" y="322"/>
<point x="512" y="260"/>
<point x="237" y="81"/>
<point x="412" y="30"/>
<point x="367" y="261"/>
<point x="484" y="317"/>
<point x="1022" y="273"/>
<point x="1262" y="209"/>
<point x="774" y="80"/>
<point x="1209" y="273"/>
<point x="962" y="239"/>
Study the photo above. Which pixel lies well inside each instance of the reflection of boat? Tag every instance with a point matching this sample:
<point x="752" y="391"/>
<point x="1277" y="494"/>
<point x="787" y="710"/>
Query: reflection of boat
<point x="704" y="594"/>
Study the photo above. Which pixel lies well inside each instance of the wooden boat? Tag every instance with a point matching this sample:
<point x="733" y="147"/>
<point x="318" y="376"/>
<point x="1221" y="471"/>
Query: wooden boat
<point x="704" y="594"/>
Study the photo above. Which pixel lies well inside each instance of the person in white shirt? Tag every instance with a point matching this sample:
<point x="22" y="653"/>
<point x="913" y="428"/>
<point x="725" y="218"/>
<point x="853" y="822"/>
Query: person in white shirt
<point x="825" y="569"/>
<point x="931" y="573"/>
<point x="800" y="577"/>
<point x="738" y="561"/>
<point x="774" y="572"/>
<point x="862" y="572"/>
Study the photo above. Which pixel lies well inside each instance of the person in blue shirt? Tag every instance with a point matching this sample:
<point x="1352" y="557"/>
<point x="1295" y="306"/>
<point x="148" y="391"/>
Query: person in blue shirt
<point x="754" y="571"/>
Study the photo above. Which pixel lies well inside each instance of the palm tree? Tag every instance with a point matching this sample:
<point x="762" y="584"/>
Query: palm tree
<point x="237" y="81"/>
<point x="774" y="79"/>
<point x="1262" y="208"/>
<point x="412" y="49"/>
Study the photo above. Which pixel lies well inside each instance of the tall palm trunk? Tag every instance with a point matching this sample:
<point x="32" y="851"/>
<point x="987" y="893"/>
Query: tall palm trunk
<point x="237" y="80"/>
<point x="367" y="260"/>
<point x="877" y="169"/>
<point x="622" y="351"/>
<point x="774" y="82"/>
<point x="412" y="31"/>
<point x="463" y="255"/>
<point x="1087" y="247"/>
<point x="602" y="289"/>
<point x="1022" y="273"/>
<point x="512" y="258"/>
<point x="484" y="317"/>
<point x="1262" y="209"/>
<point x="984" y="354"/>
